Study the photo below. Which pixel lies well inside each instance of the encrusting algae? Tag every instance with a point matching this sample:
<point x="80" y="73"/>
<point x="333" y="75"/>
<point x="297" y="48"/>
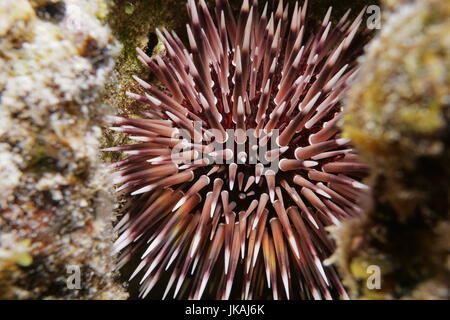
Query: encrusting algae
<point x="55" y="204"/>
<point x="398" y="117"/>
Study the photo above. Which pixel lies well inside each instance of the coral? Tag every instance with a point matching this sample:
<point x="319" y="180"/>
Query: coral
<point x="55" y="206"/>
<point x="398" y="116"/>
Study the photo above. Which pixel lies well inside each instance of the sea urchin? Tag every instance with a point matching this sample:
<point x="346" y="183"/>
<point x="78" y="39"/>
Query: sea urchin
<point x="239" y="164"/>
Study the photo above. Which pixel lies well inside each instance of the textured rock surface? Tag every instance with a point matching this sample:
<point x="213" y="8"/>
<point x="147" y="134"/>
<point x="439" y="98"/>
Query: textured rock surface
<point x="398" y="116"/>
<point x="55" y="202"/>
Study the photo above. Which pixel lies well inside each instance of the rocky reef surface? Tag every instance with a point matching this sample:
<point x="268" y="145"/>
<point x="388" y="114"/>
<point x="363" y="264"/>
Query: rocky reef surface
<point x="398" y="116"/>
<point x="55" y="200"/>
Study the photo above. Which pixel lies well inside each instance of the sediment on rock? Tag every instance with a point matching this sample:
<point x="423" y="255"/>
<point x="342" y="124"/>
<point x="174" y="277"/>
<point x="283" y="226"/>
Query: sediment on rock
<point x="56" y="203"/>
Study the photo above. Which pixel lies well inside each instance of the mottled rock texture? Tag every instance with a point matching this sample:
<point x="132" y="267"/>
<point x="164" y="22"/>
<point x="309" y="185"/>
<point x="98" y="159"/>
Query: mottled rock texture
<point x="55" y="200"/>
<point x="398" y="116"/>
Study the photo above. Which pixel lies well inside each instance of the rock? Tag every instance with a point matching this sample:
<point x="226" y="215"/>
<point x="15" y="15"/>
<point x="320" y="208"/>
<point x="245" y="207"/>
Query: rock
<point x="56" y="206"/>
<point x="398" y="117"/>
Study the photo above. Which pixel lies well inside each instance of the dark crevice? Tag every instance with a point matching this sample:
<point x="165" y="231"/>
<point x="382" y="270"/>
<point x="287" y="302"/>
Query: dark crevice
<point x="151" y="44"/>
<point x="53" y="12"/>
